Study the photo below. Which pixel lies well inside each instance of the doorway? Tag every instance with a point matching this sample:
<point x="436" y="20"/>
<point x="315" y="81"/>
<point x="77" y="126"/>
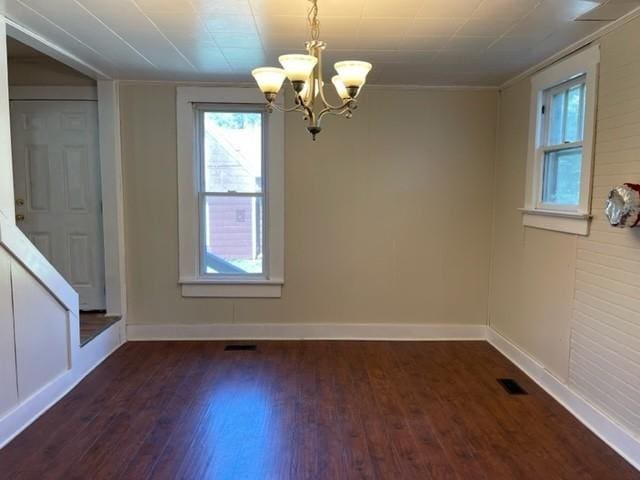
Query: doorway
<point x="56" y="172"/>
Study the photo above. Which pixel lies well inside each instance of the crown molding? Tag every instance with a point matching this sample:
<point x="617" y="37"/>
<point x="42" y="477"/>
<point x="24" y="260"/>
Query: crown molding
<point x="38" y="42"/>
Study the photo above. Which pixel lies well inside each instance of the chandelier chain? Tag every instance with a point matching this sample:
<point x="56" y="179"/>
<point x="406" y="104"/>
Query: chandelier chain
<point x="314" y="23"/>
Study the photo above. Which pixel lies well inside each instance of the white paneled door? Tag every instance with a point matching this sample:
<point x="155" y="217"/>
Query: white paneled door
<point x="57" y="189"/>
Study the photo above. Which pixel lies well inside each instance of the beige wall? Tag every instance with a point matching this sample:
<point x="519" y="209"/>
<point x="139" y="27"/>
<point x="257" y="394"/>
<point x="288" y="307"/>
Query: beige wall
<point x="532" y="272"/>
<point x="387" y="215"/>
<point x="573" y="302"/>
<point x="44" y="71"/>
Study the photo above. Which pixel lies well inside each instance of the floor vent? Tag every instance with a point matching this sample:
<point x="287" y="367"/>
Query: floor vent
<point x="242" y="346"/>
<point x="511" y="386"/>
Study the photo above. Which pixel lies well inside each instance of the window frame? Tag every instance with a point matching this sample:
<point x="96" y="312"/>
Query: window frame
<point x="200" y="109"/>
<point x="546" y="147"/>
<point x="564" y="218"/>
<point x="192" y="102"/>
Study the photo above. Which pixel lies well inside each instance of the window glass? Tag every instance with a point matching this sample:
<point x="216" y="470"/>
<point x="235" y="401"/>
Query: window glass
<point x="574" y="114"/>
<point x="556" y="119"/>
<point x="233" y="236"/>
<point x="566" y="115"/>
<point x="561" y="177"/>
<point x="232" y="151"/>
<point x="232" y="206"/>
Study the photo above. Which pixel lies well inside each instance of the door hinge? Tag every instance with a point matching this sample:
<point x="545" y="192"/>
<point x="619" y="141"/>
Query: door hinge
<point x="543" y="109"/>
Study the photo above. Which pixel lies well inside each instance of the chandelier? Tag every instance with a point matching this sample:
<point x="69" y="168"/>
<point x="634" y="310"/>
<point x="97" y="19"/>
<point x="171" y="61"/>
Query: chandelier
<point x="305" y="74"/>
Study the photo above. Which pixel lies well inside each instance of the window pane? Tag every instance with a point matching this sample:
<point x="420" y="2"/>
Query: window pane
<point x="574" y="116"/>
<point x="233" y="232"/>
<point x="561" y="177"/>
<point x="232" y="151"/>
<point x="556" y="119"/>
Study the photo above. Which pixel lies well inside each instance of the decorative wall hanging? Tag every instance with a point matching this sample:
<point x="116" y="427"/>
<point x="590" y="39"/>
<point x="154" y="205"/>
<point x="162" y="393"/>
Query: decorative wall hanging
<point x="623" y="205"/>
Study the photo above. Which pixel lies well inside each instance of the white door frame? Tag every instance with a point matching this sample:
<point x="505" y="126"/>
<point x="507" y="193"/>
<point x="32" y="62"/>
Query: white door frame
<point x="107" y="95"/>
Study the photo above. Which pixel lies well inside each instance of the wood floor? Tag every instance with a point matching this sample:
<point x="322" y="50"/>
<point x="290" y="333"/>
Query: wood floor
<point x="308" y="410"/>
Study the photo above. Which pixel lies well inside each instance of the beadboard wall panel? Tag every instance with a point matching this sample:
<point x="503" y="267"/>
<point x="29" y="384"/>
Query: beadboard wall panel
<point x="605" y="332"/>
<point x="573" y="302"/>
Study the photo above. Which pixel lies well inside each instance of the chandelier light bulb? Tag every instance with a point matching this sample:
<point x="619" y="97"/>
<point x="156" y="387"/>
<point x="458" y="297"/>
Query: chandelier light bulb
<point x="340" y="88"/>
<point x="269" y="79"/>
<point x="353" y="73"/>
<point x="298" y="67"/>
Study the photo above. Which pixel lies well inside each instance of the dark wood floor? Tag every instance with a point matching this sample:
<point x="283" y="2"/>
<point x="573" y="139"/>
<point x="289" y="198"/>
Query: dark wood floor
<point x="308" y="410"/>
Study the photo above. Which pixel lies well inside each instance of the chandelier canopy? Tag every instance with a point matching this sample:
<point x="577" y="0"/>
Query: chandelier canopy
<point x="305" y="74"/>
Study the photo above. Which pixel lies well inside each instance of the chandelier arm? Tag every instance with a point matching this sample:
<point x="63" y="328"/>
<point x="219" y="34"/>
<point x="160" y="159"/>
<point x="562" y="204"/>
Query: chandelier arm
<point x="346" y="107"/>
<point x="347" y="112"/>
<point x="318" y="68"/>
<point x="309" y="114"/>
<point x="324" y="100"/>
<point x="327" y="111"/>
<point x="296" y="108"/>
<point x="299" y="106"/>
<point x="329" y="105"/>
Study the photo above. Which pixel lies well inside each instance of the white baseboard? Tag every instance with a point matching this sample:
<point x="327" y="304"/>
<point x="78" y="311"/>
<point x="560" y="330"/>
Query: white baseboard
<point x="614" y="435"/>
<point x="87" y="358"/>
<point x="299" y="331"/>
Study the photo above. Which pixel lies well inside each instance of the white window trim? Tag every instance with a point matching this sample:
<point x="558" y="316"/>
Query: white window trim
<point x="194" y="284"/>
<point x="576" y="220"/>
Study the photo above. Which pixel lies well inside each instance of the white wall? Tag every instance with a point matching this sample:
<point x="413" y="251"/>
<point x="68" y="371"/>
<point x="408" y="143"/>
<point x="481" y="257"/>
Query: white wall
<point x="9" y="390"/>
<point x="42" y="333"/>
<point x="573" y="303"/>
<point x="605" y="336"/>
<point x="6" y="178"/>
<point x="387" y="215"/>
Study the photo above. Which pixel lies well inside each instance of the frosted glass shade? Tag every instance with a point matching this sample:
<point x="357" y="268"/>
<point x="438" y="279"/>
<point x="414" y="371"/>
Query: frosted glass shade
<point x="269" y="79"/>
<point x="353" y="73"/>
<point x="340" y="88"/>
<point x="298" y="67"/>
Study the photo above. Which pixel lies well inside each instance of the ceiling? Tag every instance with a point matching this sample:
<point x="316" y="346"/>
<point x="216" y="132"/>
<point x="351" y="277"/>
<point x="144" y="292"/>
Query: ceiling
<point x="410" y="42"/>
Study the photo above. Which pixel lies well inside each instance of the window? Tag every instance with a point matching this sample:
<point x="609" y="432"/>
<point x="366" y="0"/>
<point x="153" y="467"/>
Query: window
<point x="231" y="190"/>
<point x="230" y="175"/>
<point x="561" y="145"/>
<point x="563" y="127"/>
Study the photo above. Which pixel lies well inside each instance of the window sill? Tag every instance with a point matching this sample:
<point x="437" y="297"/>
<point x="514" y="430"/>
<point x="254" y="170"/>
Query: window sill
<point x="567" y="222"/>
<point x="229" y="288"/>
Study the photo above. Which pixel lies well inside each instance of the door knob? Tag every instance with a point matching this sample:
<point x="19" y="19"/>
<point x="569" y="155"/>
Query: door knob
<point x="19" y="202"/>
<point x="19" y="217"/>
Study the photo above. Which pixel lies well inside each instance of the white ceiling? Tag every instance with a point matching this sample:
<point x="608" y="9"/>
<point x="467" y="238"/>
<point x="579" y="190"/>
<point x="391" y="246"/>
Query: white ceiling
<point x="410" y="42"/>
